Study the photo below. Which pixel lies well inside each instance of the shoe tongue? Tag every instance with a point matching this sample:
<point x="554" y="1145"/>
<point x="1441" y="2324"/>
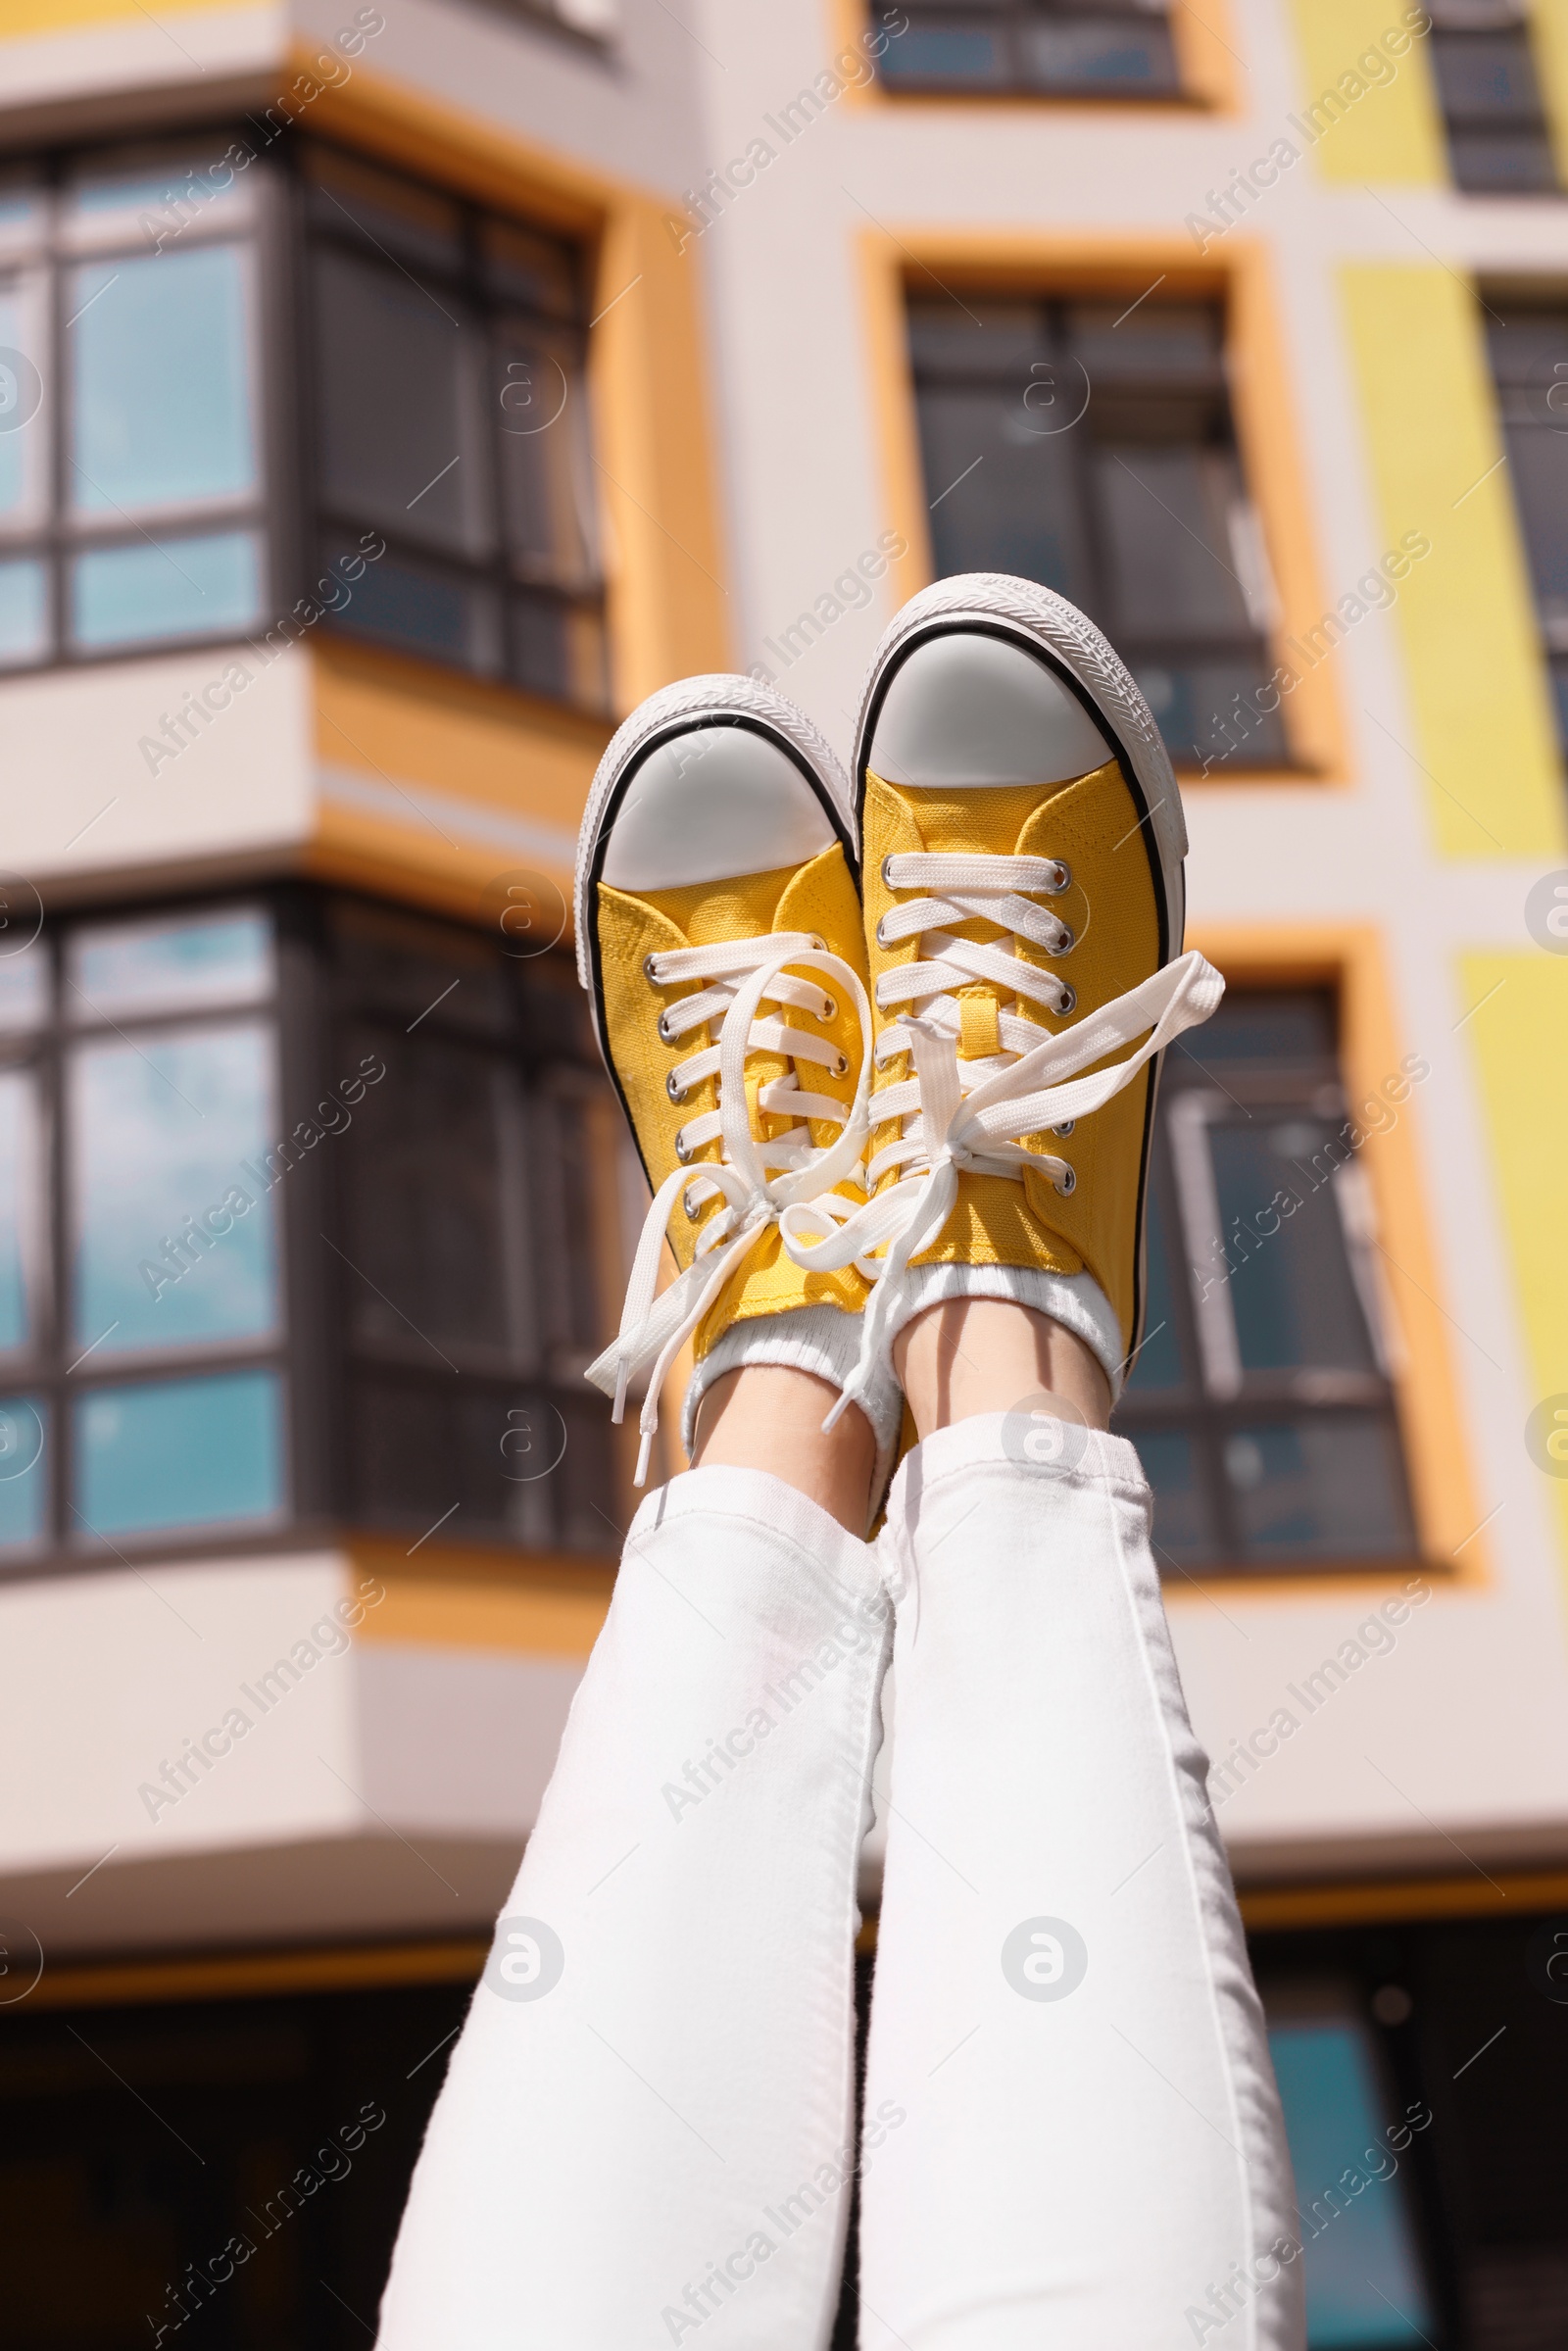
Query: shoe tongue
<point x="710" y="913"/>
<point x="983" y="821"/>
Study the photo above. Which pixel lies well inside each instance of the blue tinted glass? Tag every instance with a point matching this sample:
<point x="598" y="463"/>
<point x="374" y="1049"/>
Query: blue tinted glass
<point x="1487" y="74"/>
<point x="20" y="1226"/>
<point x="24" y="1472"/>
<point x="186" y="588"/>
<point x="179" y="1453"/>
<point x="1559" y="693"/>
<point x="18" y="206"/>
<point x="1003" y="491"/>
<point x="1262" y="1027"/>
<point x="404" y="604"/>
<point x="160" y="398"/>
<point x="947" y="53"/>
<point x="23" y="612"/>
<point x="1363" y="2280"/>
<point x="1293" y="1291"/>
<point x="136" y="190"/>
<point x="18" y="431"/>
<point x="1328" y="1487"/>
<point x="1181" y="1513"/>
<point x="1087" y="55"/>
<point x="165" y="967"/>
<point x="1158" y="1363"/>
<point x="23" y="967"/>
<point x="172" y="1239"/>
<point x="1195" y="704"/>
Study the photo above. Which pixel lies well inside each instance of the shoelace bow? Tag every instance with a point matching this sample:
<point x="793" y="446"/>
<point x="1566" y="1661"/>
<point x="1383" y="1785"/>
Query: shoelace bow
<point x="960" y="1116"/>
<point x="760" y="1180"/>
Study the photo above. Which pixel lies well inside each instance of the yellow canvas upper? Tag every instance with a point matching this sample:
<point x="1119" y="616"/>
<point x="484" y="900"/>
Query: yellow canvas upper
<point x="1091" y="824"/>
<point x="817" y="898"/>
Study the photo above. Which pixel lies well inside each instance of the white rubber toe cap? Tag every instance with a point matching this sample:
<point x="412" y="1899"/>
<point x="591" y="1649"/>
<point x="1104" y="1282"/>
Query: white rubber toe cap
<point x="966" y="709"/>
<point x="710" y="805"/>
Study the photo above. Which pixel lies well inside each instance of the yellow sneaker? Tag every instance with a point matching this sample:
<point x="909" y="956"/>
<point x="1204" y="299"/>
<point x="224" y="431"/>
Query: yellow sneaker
<point x="1023" y="845"/>
<point x="719" y="938"/>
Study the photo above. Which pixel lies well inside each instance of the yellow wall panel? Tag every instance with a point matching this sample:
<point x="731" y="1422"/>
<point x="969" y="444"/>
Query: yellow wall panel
<point x="1519" y="1037"/>
<point x="1549" y="31"/>
<point x="1466" y="615"/>
<point x="1389" y="128"/>
<point x="24" y="19"/>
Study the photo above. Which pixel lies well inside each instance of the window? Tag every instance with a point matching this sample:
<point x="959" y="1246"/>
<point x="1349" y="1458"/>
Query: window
<point x="1260" y="1400"/>
<point x="443" y="411"/>
<point x="103" y="2227"/>
<point x="254" y="1199"/>
<point x="478" y="1210"/>
<point x="1061" y="48"/>
<point x="1360" y="2254"/>
<point x="130" y="504"/>
<point x="450" y="417"/>
<point x="1529" y="351"/>
<point x="1446" y="2036"/>
<point x="145" y="1384"/>
<point x="1498" y="141"/>
<point x="1091" y="447"/>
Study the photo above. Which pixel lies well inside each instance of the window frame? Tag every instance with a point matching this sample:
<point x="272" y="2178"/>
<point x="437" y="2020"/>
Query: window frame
<point x="313" y="1350"/>
<point x="1015" y="15"/>
<point x="1450" y="41"/>
<point x="534" y="1064"/>
<point x="57" y="536"/>
<point x="47" y="1367"/>
<point x="1207" y="1407"/>
<point x="1052" y="301"/>
<point x="1517" y="301"/>
<point x="286" y="511"/>
<point x="318" y="519"/>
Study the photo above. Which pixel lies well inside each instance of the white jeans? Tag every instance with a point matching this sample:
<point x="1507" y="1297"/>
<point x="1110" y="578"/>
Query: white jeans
<point x="1072" y="2136"/>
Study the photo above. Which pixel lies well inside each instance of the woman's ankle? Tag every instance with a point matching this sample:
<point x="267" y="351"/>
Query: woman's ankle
<point x="768" y="1416"/>
<point x="968" y="1355"/>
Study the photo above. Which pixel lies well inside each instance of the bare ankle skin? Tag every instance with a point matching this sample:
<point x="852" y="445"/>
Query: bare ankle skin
<point x="983" y="1354"/>
<point x="768" y="1417"/>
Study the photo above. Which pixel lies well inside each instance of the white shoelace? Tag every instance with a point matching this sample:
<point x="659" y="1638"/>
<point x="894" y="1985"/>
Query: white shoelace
<point x="759" y="1180"/>
<point x="960" y="1116"/>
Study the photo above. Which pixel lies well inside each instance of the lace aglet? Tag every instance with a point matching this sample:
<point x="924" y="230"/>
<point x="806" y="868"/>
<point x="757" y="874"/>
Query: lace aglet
<point x="643" y="1452"/>
<point x="618" y="1410"/>
<point x="836" y="1413"/>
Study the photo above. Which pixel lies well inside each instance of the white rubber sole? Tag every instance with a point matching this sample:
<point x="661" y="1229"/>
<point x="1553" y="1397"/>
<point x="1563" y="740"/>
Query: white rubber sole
<point x="714" y="700"/>
<point x="1048" y="626"/>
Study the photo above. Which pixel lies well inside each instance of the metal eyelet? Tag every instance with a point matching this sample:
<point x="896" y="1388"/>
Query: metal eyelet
<point x="887" y="883"/>
<point x="1066" y="1183"/>
<point x="1063" y="880"/>
<point x="881" y="942"/>
<point x="666" y="1035"/>
<point x="831" y="1008"/>
<point x="819" y="943"/>
<point x="841" y="1065"/>
<point x="1068" y="939"/>
<point x="678" y="1094"/>
<point x="690" y="1205"/>
<point x="649" y="973"/>
<point x="1067" y="1001"/>
<point x="1065" y="1128"/>
<point x="683" y="1150"/>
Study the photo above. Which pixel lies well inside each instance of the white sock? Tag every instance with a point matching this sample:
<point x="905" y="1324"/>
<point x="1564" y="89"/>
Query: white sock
<point x="1076" y="1300"/>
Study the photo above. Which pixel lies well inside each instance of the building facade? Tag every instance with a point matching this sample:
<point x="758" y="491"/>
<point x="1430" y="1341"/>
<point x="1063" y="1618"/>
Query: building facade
<point x="390" y="397"/>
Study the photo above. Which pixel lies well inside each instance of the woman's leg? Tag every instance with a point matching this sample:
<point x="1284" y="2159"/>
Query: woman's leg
<point x="768" y="1417"/>
<point x="648" y="2119"/>
<point x="1090" y="2153"/>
